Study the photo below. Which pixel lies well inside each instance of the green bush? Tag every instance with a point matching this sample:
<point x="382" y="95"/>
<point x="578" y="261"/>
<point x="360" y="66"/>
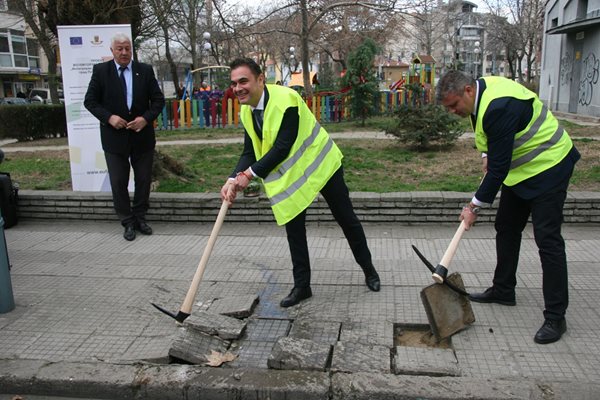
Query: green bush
<point x="33" y="121"/>
<point x="421" y="127"/>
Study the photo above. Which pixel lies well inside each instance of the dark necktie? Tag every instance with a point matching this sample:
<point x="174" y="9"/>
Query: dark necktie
<point x="122" y="75"/>
<point x="258" y="118"/>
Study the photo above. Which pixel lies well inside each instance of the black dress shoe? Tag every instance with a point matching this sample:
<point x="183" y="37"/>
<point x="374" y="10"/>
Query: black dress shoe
<point x="551" y="331"/>
<point x="296" y="296"/>
<point x="143" y="227"/>
<point x="372" y="281"/>
<point x="490" y="297"/>
<point x="129" y="233"/>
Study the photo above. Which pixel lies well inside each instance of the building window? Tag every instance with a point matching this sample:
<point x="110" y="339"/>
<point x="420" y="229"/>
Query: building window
<point x="17" y="51"/>
<point x="33" y="52"/>
<point x="5" y="60"/>
<point x="18" y="44"/>
<point x="4" y="48"/>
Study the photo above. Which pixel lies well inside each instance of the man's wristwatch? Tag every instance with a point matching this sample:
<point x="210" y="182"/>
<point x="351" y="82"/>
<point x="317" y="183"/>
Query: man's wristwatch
<point x="473" y="208"/>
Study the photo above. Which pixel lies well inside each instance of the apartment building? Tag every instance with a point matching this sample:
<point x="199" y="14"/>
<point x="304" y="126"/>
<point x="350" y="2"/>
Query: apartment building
<point x="22" y="66"/>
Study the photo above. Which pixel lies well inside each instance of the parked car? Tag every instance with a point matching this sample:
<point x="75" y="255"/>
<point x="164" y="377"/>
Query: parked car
<point x="13" y="100"/>
<point x="43" y="96"/>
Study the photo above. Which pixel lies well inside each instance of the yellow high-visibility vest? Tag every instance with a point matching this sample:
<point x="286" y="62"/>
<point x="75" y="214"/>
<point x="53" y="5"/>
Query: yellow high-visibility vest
<point x="313" y="159"/>
<point x="540" y="146"/>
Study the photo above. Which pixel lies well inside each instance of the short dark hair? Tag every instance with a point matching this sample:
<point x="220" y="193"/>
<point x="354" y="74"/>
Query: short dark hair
<point x="248" y="62"/>
<point x="453" y="82"/>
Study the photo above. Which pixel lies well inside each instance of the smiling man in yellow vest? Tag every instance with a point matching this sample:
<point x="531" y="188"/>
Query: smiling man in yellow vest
<point x="527" y="153"/>
<point x="285" y="146"/>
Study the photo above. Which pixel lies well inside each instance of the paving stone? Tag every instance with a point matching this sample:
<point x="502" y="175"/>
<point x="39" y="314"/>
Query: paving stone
<point x="317" y="331"/>
<point x="252" y="354"/>
<point x="425" y="361"/>
<point x="447" y="311"/>
<point x="194" y="346"/>
<point x="225" y="327"/>
<point x="235" y="306"/>
<point x="357" y="357"/>
<point x="371" y="332"/>
<point x="299" y="354"/>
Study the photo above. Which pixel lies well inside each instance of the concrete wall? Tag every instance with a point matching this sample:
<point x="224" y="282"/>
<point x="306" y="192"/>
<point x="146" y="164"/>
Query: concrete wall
<point x="570" y="74"/>
<point x="405" y="207"/>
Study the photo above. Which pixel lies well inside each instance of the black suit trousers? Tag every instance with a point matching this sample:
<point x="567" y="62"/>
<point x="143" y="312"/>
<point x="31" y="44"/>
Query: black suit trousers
<point x="118" y="172"/>
<point x="337" y="196"/>
<point x="546" y="212"/>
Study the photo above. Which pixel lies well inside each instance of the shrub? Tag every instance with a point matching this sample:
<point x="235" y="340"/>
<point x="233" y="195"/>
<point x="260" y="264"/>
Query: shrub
<point x="421" y="127"/>
<point x="34" y="121"/>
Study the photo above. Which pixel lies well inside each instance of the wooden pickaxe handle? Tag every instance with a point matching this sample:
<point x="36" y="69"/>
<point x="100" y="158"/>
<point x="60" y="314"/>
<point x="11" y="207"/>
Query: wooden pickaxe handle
<point x="439" y="275"/>
<point x="186" y="307"/>
<point x="451" y="250"/>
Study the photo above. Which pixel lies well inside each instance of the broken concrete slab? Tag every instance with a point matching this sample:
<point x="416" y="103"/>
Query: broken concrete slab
<point x="227" y="328"/>
<point x="447" y="311"/>
<point x="237" y="307"/>
<point x="425" y="361"/>
<point x="317" y="331"/>
<point x="299" y="354"/>
<point x="357" y="357"/>
<point x="194" y="346"/>
<point x="368" y="332"/>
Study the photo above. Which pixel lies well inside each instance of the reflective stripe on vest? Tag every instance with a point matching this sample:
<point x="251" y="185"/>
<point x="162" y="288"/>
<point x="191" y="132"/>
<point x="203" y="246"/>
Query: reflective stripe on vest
<point x="294" y="184"/>
<point x="298" y="183"/>
<point x="540" y="146"/>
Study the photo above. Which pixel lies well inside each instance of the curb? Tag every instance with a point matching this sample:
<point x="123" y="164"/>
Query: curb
<point x="174" y="382"/>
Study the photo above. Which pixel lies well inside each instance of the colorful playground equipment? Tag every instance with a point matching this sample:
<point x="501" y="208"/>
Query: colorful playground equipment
<point x="412" y="85"/>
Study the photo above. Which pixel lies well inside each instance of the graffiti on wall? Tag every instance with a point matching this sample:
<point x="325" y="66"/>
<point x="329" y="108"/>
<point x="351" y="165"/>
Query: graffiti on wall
<point x="590" y="69"/>
<point x="566" y="69"/>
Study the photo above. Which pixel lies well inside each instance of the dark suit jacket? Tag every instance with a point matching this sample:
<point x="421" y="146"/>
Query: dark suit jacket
<point x="503" y="119"/>
<point x="104" y="98"/>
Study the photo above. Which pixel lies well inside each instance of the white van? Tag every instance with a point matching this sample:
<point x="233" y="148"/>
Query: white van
<point x="42" y="96"/>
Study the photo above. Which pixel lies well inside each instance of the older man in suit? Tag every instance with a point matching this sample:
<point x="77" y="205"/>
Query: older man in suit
<point x="125" y="97"/>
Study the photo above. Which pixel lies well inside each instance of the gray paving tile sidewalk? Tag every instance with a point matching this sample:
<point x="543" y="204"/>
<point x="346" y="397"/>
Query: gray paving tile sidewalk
<point x="83" y="313"/>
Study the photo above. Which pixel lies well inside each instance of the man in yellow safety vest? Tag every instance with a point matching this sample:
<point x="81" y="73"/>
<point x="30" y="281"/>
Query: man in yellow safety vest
<point x="531" y="157"/>
<point x="295" y="158"/>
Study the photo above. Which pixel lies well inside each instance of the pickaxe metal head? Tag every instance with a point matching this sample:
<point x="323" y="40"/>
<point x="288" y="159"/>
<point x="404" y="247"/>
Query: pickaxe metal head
<point x="433" y="270"/>
<point x="440" y="273"/>
<point x="179" y="317"/>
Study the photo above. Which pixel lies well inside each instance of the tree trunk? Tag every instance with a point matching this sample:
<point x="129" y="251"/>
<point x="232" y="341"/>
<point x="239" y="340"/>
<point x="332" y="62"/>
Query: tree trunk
<point x="308" y="92"/>
<point x="169" y="57"/>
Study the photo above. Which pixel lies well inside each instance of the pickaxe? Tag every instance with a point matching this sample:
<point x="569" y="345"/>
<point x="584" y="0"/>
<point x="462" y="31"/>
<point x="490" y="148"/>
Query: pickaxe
<point x="433" y="271"/>
<point x="186" y="307"/>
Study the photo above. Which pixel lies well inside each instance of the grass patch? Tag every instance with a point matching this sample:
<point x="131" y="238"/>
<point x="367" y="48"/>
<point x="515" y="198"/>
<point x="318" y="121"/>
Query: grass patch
<point x="379" y="166"/>
<point x="48" y="170"/>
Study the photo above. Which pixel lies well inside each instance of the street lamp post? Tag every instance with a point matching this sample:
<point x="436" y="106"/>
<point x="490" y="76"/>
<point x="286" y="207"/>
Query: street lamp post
<point x="293" y="61"/>
<point x="477" y="51"/>
<point x="206" y="47"/>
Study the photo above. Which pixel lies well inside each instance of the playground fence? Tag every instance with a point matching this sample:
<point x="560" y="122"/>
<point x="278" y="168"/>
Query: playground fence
<point x="214" y="113"/>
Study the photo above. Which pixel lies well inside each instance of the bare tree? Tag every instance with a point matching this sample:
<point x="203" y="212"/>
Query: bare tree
<point x="305" y="23"/>
<point x="35" y="17"/>
<point x="43" y="17"/>
<point x="164" y="19"/>
<point x="519" y="25"/>
<point x="311" y="17"/>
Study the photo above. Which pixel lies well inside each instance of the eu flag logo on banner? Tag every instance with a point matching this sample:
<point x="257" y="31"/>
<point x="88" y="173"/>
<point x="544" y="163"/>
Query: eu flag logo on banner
<point x="76" y="40"/>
